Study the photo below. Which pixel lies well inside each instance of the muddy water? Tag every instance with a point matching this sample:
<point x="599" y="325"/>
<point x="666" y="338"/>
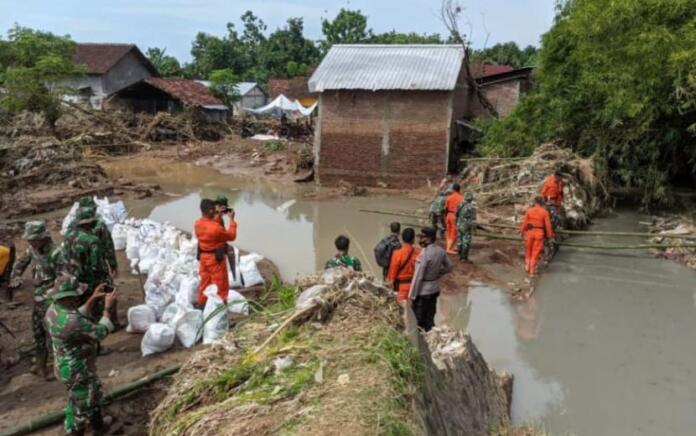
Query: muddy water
<point x="295" y="233"/>
<point x="606" y="347"/>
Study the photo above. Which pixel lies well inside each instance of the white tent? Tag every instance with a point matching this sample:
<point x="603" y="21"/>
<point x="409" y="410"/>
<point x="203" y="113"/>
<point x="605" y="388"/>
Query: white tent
<point x="282" y="104"/>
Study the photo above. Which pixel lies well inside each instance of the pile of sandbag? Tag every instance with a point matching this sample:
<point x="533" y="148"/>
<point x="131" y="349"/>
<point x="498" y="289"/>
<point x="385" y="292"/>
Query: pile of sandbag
<point x="516" y="181"/>
<point x="685" y="249"/>
<point x="109" y="213"/>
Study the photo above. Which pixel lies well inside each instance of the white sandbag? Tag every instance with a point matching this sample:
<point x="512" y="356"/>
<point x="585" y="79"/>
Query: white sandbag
<point x="133" y="244"/>
<point x="216" y="318"/>
<point x="237" y="303"/>
<point x="309" y="296"/>
<point x="69" y="218"/>
<point x="158" y="338"/>
<point x="158" y="299"/>
<point x="188" y="247"/>
<point x="140" y="318"/>
<point x="148" y="257"/>
<point x="120" y="236"/>
<point x="250" y="272"/>
<point x="188" y="287"/>
<point x="110" y="213"/>
<point x="189" y="326"/>
<point x="170" y="314"/>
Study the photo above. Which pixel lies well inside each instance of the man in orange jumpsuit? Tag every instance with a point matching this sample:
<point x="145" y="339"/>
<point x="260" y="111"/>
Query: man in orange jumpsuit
<point x="402" y="265"/>
<point x="212" y="248"/>
<point x="451" y="207"/>
<point x="536" y="225"/>
<point x="552" y="190"/>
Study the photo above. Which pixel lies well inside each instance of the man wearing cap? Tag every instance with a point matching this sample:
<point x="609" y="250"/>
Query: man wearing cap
<point x="431" y="265"/>
<point x="212" y="249"/>
<point x="101" y="231"/>
<point x="75" y="338"/>
<point x="87" y="259"/>
<point x="43" y="272"/>
<point x="466" y="224"/>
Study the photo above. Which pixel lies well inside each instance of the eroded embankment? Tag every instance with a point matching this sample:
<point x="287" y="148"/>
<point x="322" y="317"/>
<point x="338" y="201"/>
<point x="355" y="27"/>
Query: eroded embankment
<point x="334" y="361"/>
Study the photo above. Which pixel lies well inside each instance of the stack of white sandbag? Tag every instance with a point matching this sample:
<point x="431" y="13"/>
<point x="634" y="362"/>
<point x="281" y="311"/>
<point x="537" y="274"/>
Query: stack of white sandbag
<point x="109" y="213"/>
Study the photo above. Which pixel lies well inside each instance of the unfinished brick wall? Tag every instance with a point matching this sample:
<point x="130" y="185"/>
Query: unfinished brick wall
<point x="504" y="96"/>
<point x="399" y="138"/>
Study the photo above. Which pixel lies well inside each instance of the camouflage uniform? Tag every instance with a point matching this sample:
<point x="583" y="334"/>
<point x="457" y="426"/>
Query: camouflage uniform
<point x="344" y="261"/>
<point x="86" y="258"/>
<point x="75" y="338"/>
<point x="101" y="231"/>
<point x="466" y="224"/>
<point x="43" y="273"/>
<point x="437" y="209"/>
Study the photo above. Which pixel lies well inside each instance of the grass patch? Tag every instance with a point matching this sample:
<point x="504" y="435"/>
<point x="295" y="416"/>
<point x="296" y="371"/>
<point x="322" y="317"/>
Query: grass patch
<point x="274" y="146"/>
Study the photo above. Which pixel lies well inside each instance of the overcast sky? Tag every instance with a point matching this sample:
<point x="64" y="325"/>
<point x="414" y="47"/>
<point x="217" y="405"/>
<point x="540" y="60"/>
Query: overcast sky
<point x="173" y="23"/>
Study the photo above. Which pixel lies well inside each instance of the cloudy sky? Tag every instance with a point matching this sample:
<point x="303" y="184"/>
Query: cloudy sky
<point x="173" y="23"/>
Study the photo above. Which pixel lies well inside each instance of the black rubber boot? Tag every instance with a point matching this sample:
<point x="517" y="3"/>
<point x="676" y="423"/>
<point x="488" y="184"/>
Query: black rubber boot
<point x="100" y="423"/>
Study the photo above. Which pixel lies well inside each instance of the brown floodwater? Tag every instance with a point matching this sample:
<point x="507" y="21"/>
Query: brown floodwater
<point x="605" y="347"/>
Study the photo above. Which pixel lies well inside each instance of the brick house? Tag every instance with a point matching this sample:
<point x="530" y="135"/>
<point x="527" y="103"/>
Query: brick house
<point x="110" y="68"/>
<point x="387" y="113"/>
<point x="295" y="89"/>
<point x="502" y="85"/>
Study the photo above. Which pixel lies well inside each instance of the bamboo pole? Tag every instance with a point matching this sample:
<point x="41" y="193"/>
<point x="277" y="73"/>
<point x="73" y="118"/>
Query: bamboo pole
<point x="55" y="417"/>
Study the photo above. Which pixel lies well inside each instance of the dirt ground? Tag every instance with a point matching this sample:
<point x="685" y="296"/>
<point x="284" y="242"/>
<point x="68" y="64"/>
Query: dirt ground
<point x="24" y="396"/>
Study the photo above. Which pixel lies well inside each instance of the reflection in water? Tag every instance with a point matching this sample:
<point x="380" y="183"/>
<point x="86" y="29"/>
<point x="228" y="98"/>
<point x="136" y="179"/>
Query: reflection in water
<point x="499" y="332"/>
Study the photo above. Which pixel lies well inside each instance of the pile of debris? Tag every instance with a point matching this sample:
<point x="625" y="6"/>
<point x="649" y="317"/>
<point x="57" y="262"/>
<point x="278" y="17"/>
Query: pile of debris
<point x="676" y="226"/>
<point x="334" y="363"/>
<point x="516" y="181"/>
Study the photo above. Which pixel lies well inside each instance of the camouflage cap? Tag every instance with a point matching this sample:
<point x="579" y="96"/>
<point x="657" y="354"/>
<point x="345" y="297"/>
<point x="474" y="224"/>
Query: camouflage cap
<point x="85" y="215"/>
<point x="66" y="286"/>
<point x="221" y="199"/>
<point x="87" y="202"/>
<point x="35" y="231"/>
<point x="469" y="197"/>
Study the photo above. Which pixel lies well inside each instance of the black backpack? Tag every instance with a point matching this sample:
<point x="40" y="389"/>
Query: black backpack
<point x="384" y="250"/>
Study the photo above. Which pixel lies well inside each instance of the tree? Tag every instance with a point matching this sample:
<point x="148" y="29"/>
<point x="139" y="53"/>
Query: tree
<point x="395" y="37"/>
<point x="508" y="53"/>
<point x="223" y="84"/>
<point x="348" y="27"/>
<point x="34" y="71"/>
<point x="165" y="64"/>
<point x="614" y="82"/>
<point x="289" y="45"/>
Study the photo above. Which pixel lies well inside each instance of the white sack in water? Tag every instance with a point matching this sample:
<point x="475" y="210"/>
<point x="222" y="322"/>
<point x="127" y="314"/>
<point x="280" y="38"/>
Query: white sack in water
<point x="215" y="317"/>
<point x="140" y="318"/>
<point x="158" y="338"/>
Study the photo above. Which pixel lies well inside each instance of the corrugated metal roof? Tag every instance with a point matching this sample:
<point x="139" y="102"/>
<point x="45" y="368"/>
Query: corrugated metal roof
<point x="378" y="67"/>
<point x="242" y="87"/>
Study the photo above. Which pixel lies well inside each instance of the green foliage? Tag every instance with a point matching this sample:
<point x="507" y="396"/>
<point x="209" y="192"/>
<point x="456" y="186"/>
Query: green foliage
<point x="348" y="27"/>
<point x="395" y="37"/>
<point x="165" y="64"/>
<point x="34" y="68"/>
<point x="508" y="53"/>
<point x="223" y="85"/>
<point x="274" y="145"/>
<point x="615" y="81"/>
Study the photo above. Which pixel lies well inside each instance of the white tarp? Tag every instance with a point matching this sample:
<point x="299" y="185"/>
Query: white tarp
<point x="282" y="104"/>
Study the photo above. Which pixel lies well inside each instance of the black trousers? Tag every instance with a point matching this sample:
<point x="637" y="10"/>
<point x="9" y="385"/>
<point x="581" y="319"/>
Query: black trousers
<point x="425" y="307"/>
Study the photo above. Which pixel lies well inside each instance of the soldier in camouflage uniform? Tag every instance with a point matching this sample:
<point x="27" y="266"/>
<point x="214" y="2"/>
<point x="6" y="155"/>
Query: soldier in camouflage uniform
<point x="75" y="338"/>
<point x="466" y="224"/>
<point x="437" y="208"/>
<point x="40" y="256"/>
<point x="86" y="255"/>
<point x="101" y="231"/>
<point x="343" y="258"/>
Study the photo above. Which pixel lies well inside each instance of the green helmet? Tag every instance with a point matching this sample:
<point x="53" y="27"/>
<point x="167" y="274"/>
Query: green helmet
<point x="35" y="231"/>
<point x="87" y="202"/>
<point x="66" y="286"/>
<point x="469" y="197"/>
<point x="86" y="215"/>
<point x="221" y="199"/>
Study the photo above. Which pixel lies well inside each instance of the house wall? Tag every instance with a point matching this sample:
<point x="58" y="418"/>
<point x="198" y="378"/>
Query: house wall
<point x="400" y="138"/>
<point x="503" y="95"/>
<point x="254" y="99"/>
<point x="126" y="72"/>
<point x="92" y="84"/>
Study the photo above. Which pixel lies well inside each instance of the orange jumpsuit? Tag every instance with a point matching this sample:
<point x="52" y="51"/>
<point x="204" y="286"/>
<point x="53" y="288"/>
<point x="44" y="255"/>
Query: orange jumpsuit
<point x="553" y="190"/>
<point x="401" y="269"/>
<point x="451" y="206"/>
<point x="536" y="225"/>
<point x="212" y="235"/>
